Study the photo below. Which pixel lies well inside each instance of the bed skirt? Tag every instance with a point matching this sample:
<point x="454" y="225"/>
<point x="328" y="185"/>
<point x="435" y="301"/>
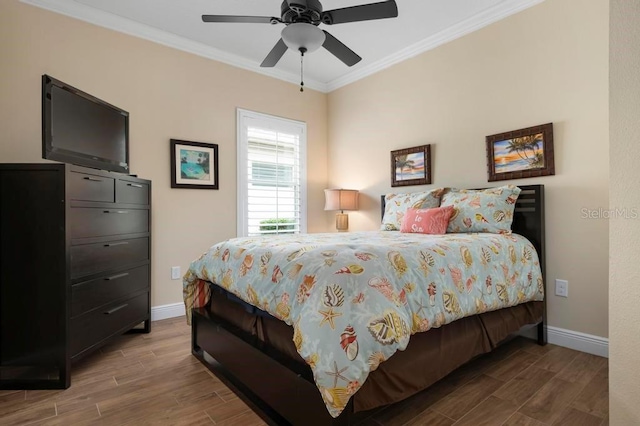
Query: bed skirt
<point x="429" y="357"/>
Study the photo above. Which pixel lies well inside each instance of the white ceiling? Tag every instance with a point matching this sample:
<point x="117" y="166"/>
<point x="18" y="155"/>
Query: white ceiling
<point x="420" y="26"/>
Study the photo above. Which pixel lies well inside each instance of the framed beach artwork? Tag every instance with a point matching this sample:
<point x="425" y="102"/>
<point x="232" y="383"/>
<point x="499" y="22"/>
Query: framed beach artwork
<point x="194" y="165"/>
<point x="411" y="166"/>
<point x="521" y="153"/>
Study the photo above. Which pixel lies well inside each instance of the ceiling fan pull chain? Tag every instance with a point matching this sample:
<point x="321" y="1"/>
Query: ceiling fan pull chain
<point x="302" y="50"/>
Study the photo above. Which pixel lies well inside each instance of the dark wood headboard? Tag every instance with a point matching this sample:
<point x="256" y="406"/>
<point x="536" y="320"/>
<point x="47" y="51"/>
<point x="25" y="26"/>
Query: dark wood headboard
<point x="528" y="218"/>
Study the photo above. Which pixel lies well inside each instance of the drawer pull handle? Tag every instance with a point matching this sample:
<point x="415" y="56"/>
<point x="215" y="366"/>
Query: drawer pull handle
<point x="115" y="277"/>
<point x="135" y="185"/>
<point x="116" y="309"/>
<point x="92" y="179"/>
<point x="116" y="211"/>
<point x="117" y="244"/>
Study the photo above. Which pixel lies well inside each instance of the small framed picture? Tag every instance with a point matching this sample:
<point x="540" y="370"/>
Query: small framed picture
<point x="521" y="153"/>
<point x="411" y="166"/>
<point x="194" y="165"/>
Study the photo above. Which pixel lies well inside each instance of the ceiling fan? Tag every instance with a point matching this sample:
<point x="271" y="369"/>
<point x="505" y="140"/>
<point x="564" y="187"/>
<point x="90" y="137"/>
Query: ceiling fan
<point x="302" y="34"/>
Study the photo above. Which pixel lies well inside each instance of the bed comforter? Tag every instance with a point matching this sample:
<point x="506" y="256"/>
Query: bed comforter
<point x="355" y="299"/>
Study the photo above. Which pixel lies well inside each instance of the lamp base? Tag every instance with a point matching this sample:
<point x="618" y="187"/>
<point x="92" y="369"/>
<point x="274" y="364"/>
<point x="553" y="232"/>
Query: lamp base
<point x="342" y="222"/>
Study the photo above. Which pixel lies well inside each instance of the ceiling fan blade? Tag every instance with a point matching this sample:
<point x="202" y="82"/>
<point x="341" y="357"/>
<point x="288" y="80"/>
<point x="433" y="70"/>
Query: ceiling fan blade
<point x="340" y="51"/>
<point x="241" y="19"/>
<point x="365" y="12"/>
<point x="274" y="56"/>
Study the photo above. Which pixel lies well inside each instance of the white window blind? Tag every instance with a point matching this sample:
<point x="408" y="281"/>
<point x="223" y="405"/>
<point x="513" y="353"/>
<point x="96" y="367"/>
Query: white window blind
<point x="271" y="175"/>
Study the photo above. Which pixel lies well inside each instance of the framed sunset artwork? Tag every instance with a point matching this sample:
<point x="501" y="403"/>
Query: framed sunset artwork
<point x="522" y="153"/>
<point x="411" y="166"/>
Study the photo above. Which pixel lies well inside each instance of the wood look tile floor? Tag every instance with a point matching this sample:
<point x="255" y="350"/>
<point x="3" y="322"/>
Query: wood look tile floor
<point x="154" y="380"/>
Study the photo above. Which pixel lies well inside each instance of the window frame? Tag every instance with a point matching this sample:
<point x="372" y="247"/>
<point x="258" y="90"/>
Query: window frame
<point x="246" y="118"/>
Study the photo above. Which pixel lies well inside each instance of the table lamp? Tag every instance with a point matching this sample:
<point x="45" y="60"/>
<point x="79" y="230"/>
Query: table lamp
<point x="341" y="199"/>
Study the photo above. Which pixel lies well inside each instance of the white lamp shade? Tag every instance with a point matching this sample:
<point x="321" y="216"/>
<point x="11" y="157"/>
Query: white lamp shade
<point x="300" y="35"/>
<point x="341" y="199"/>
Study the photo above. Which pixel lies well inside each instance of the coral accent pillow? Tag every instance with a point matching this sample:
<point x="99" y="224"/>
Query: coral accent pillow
<point x="427" y="221"/>
<point x="396" y="205"/>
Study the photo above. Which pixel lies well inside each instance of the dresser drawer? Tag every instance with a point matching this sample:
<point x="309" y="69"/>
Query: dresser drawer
<point x="129" y="192"/>
<point x="92" y="294"/>
<point x="91" y="222"/>
<point x="90" y="329"/>
<point x="87" y="187"/>
<point x="93" y="258"/>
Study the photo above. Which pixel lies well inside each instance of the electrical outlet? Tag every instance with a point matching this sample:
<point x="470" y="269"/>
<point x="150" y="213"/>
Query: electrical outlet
<point x="562" y="288"/>
<point x="175" y="273"/>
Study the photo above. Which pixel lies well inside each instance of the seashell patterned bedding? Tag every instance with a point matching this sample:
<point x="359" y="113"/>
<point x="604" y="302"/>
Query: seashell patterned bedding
<point x="355" y="299"/>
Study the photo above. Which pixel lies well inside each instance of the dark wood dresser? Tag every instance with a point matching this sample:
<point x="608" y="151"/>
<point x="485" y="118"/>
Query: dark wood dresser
<point x="74" y="267"/>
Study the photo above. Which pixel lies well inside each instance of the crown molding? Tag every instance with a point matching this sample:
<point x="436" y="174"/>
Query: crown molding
<point x="476" y="22"/>
<point x="137" y="29"/>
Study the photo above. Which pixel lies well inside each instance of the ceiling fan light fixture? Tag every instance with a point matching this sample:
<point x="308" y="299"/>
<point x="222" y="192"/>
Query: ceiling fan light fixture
<point x="300" y="35"/>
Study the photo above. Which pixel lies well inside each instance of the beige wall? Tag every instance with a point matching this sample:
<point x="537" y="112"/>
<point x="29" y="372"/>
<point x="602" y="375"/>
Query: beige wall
<point x="169" y="94"/>
<point x="546" y="64"/>
<point x="624" y="239"/>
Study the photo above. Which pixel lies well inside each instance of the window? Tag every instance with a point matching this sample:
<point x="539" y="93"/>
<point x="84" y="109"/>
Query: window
<point x="271" y="175"/>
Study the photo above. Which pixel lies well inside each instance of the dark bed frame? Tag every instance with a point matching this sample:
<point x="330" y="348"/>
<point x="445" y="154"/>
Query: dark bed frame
<point x="281" y="390"/>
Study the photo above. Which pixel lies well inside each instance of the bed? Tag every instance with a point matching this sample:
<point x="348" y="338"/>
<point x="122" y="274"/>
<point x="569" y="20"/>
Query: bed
<point x="274" y="354"/>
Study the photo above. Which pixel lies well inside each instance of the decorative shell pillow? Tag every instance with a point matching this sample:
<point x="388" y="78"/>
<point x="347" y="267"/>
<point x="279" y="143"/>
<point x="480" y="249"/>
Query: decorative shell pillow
<point x="396" y="206"/>
<point x="488" y="210"/>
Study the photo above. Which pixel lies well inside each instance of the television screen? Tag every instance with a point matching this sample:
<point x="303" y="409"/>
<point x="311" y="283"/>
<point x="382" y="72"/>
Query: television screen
<point x="81" y="129"/>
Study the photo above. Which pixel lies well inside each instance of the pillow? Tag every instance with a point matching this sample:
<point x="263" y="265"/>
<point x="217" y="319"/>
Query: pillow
<point x="396" y="205"/>
<point x="427" y="221"/>
<point x="488" y="210"/>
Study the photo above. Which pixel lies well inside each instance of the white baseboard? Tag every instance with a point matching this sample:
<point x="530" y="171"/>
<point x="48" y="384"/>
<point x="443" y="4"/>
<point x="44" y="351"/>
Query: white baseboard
<point x="167" y="311"/>
<point x="579" y="341"/>
<point x="582" y="342"/>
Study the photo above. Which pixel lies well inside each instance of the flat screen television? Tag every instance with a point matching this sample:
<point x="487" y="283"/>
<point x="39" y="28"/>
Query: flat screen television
<point x="81" y="129"/>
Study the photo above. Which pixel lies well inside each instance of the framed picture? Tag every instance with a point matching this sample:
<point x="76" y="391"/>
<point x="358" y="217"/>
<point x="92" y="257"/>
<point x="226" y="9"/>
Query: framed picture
<point x="411" y="166"/>
<point x="194" y="165"/>
<point x="521" y="153"/>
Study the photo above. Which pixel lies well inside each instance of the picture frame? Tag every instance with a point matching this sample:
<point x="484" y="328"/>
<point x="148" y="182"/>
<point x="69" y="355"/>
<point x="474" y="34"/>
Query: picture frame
<point x="522" y="153"/>
<point x="194" y="165"/>
<point x="411" y="166"/>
